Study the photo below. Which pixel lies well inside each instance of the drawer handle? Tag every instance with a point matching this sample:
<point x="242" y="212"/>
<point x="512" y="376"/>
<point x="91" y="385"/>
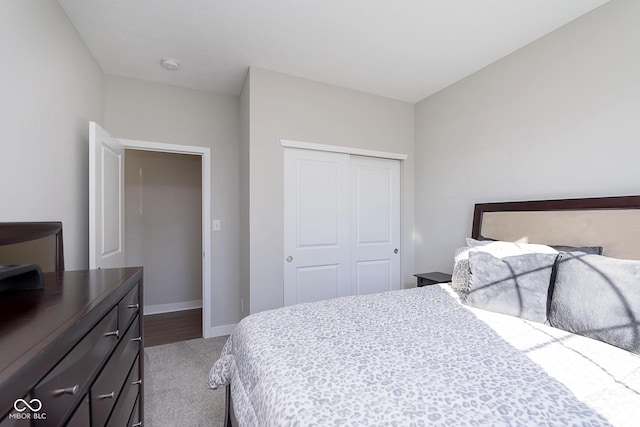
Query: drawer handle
<point x="107" y="396"/>
<point x="136" y="339"/>
<point x="69" y="390"/>
<point x="115" y="333"/>
<point x="137" y="382"/>
<point x="137" y="424"/>
<point x="136" y="306"/>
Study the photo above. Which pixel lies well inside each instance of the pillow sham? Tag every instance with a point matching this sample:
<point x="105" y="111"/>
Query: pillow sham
<point x="515" y="285"/>
<point x="598" y="297"/>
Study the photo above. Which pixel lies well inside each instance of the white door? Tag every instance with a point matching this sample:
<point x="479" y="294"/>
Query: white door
<point x="106" y="199"/>
<point x="316" y="218"/>
<point x="341" y="225"/>
<point x="375" y="225"/>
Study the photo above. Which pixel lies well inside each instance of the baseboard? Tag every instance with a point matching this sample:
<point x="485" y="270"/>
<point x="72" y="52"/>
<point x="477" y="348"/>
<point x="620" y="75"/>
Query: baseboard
<point x="219" y="331"/>
<point x="174" y="306"/>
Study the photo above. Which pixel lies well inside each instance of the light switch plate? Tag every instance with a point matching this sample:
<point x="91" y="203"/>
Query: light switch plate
<point x="217" y="226"/>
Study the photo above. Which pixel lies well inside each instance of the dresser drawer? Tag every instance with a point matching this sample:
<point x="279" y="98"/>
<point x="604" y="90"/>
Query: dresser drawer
<point x="81" y="417"/>
<point x="107" y="387"/>
<point x="62" y="388"/>
<point x="128" y="396"/>
<point x="134" y="420"/>
<point x="15" y="418"/>
<point x="128" y="308"/>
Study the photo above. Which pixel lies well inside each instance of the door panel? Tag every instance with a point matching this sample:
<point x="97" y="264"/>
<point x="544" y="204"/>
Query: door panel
<point x="373" y="276"/>
<point x="317" y="282"/>
<point x="317" y="207"/>
<point x="373" y="204"/>
<point x="316" y="226"/>
<point x="111" y="188"/>
<point x="106" y="199"/>
<point x="375" y="224"/>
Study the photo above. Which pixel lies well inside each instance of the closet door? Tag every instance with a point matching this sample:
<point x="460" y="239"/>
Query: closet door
<point x="316" y="226"/>
<point x="375" y="225"/>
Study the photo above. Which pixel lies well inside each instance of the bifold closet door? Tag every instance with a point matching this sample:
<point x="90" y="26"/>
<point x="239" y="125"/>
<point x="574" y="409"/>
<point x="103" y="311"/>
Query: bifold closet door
<point x="316" y="226"/>
<point x="341" y="225"/>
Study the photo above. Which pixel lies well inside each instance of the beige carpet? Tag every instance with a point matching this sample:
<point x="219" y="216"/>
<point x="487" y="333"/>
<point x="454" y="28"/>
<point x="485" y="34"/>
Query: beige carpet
<point x="176" y="391"/>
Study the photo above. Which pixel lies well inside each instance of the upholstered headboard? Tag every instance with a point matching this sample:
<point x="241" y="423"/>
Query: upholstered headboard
<point x="610" y="222"/>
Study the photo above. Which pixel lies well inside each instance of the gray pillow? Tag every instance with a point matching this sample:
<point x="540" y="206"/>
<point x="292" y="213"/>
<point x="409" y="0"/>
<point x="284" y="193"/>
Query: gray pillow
<point x="598" y="297"/>
<point x="515" y="285"/>
<point x="461" y="276"/>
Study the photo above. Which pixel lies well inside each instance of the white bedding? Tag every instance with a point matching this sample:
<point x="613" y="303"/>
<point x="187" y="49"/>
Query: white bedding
<point x="419" y="357"/>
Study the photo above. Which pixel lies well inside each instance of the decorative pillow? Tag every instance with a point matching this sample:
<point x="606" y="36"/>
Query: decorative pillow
<point x="598" y="297"/>
<point x="596" y="250"/>
<point x="515" y="285"/>
<point x="461" y="275"/>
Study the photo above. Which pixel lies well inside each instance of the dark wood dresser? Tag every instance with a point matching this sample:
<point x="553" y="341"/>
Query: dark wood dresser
<point x="72" y="353"/>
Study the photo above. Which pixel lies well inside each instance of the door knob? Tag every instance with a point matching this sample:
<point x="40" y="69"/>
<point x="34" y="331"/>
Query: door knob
<point x="289" y="258"/>
<point x="395" y="251"/>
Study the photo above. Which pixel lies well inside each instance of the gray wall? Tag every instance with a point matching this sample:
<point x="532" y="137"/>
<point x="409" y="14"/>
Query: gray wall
<point x="558" y="118"/>
<point x="243" y="170"/>
<point x="287" y="107"/>
<point x="161" y="113"/>
<point x="163" y="223"/>
<point x="51" y="89"/>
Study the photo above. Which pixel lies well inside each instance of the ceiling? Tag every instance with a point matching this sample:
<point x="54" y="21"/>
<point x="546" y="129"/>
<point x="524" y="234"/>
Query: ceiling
<point x="401" y="49"/>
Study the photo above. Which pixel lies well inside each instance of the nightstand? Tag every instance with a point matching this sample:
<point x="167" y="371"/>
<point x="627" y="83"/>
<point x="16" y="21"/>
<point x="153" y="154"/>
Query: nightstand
<point x="432" y="278"/>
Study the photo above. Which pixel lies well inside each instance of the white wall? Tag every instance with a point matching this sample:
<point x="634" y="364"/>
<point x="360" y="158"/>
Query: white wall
<point x="287" y="107"/>
<point x="163" y="223"/>
<point x="156" y="112"/>
<point x="558" y="118"/>
<point x="51" y="89"/>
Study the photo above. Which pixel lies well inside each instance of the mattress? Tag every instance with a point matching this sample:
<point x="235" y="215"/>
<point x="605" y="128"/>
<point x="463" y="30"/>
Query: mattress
<point x="420" y="357"/>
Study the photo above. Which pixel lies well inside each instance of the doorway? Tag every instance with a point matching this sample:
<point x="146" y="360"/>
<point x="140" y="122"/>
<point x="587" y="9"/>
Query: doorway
<point x="204" y="155"/>
<point x="163" y="219"/>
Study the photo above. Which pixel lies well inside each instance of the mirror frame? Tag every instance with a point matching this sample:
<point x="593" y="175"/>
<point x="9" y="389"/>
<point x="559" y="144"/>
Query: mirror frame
<point x="18" y="232"/>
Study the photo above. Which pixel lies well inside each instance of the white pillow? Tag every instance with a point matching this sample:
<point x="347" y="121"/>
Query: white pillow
<point x="500" y="249"/>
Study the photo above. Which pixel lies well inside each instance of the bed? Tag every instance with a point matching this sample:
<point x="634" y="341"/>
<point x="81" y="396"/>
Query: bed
<point x="437" y="356"/>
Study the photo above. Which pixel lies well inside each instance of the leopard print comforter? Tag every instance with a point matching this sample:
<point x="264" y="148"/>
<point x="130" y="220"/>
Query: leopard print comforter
<point x="418" y="357"/>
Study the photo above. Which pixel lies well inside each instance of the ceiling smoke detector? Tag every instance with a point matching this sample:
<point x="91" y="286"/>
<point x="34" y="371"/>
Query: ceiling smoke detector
<point x="169" y="64"/>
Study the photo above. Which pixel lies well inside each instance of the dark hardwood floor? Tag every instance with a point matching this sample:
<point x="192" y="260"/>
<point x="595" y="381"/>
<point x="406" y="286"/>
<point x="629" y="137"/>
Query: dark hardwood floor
<point x="177" y="326"/>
